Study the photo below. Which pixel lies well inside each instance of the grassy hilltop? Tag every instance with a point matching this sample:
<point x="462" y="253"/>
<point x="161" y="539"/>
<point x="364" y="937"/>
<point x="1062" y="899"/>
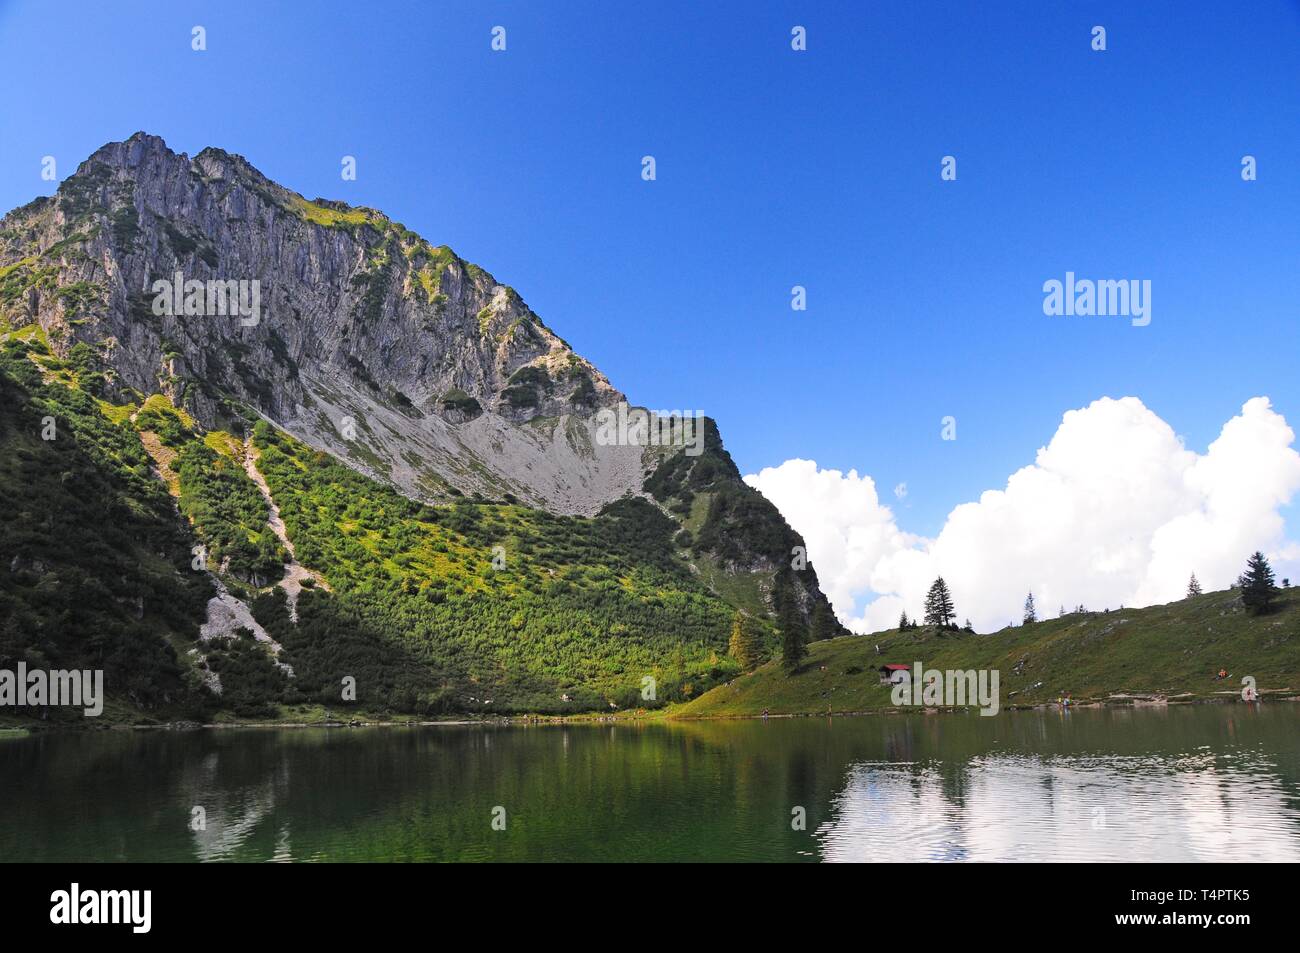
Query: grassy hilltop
<point x="1169" y="652"/>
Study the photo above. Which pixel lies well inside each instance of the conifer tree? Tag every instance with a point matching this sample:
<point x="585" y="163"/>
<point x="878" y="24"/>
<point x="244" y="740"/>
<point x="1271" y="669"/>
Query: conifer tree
<point x="1257" y="586"/>
<point x="793" y="649"/>
<point x="1031" y="614"/>
<point x="744" y="645"/>
<point x="824" y="624"/>
<point x="1193" y="587"/>
<point x="794" y="633"/>
<point x="938" y="605"/>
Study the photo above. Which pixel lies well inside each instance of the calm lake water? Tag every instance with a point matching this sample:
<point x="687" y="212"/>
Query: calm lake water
<point x="1186" y="783"/>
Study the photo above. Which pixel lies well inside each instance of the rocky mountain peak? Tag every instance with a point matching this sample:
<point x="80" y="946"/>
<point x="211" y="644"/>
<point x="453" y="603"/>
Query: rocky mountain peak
<point x="239" y="299"/>
<point x="409" y="361"/>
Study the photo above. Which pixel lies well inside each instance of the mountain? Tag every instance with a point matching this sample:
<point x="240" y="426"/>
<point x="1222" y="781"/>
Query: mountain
<point x="379" y="456"/>
<point x="361" y="319"/>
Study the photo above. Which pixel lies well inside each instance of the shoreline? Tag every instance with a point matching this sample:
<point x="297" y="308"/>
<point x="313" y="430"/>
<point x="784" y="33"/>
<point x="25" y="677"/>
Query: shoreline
<point x="1131" y="701"/>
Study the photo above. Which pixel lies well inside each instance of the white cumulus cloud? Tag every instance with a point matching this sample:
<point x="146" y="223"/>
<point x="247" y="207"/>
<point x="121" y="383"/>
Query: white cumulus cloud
<point x="1113" y="511"/>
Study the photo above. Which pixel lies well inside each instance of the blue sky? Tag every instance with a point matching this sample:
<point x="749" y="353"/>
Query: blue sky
<point x="775" y="168"/>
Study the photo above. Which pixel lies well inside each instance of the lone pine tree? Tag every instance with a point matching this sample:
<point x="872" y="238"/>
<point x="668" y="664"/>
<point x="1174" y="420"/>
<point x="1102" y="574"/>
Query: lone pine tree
<point x="1257" y="585"/>
<point x="744" y="646"/>
<point x="938" y="605"/>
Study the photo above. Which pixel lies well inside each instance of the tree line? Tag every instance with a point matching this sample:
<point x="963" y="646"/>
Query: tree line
<point x="1258" y="588"/>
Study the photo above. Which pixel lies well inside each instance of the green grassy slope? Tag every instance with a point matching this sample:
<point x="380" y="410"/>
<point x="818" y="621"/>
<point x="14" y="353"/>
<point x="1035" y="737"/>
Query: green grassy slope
<point x="1169" y="650"/>
<point x="91" y="547"/>
<point x="477" y="607"/>
<point x="565" y="606"/>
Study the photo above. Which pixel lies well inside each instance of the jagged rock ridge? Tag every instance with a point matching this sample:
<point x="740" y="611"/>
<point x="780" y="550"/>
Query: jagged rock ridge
<point x="414" y="365"/>
<point x="409" y="363"/>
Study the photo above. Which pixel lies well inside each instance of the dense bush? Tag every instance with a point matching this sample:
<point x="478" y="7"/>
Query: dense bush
<point x="583" y="607"/>
<point x="94" y="565"/>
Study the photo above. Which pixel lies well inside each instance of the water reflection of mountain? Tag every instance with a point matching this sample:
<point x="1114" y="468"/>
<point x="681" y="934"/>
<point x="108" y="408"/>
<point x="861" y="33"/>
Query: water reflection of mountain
<point x="1192" y="783"/>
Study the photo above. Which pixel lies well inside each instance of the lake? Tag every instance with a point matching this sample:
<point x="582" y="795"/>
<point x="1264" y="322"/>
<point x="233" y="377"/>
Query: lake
<point x="1217" y="782"/>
